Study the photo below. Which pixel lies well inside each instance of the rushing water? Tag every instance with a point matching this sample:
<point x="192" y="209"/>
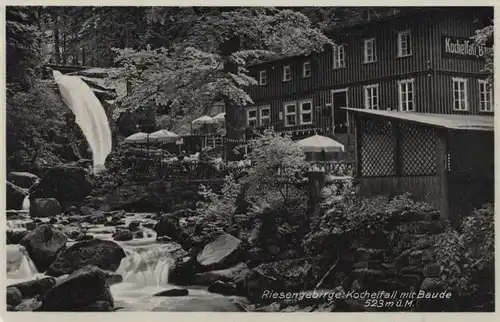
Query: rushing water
<point x="144" y="269"/>
<point x="26" y="203"/>
<point x="89" y="115"/>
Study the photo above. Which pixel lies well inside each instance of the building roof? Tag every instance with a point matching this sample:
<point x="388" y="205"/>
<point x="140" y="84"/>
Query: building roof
<point x="448" y="121"/>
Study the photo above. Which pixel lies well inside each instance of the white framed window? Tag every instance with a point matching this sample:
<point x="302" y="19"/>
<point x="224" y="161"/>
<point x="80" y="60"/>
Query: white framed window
<point x="306" y="69"/>
<point x="290" y="114"/>
<point x="370" y="50"/>
<point x="265" y="115"/>
<point x="252" y="119"/>
<point x="338" y="56"/>
<point x="306" y="112"/>
<point x="460" y="94"/>
<point x="371" y="97"/>
<point x="262" y="77"/>
<point x="404" y="43"/>
<point x="406" y="95"/>
<point x="485" y="96"/>
<point x="287" y="73"/>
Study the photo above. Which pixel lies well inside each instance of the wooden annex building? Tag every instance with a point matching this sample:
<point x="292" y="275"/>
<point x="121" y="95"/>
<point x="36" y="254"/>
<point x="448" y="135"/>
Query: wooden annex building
<point x="447" y="161"/>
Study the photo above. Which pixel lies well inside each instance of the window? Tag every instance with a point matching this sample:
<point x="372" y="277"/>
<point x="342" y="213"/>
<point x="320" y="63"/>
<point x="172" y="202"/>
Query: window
<point x="306" y="69"/>
<point x="460" y="94"/>
<point x="371" y="97"/>
<point x="287" y="73"/>
<point x="305" y="112"/>
<point x="404" y="43"/>
<point x="406" y="95"/>
<point x="262" y="77"/>
<point x="265" y="115"/>
<point x="290" y="114"/>
<point x="370" y="51"/>
<point x="485" y="96"/>
<point x="252" y="117"/>
<point x="338" y="56"/>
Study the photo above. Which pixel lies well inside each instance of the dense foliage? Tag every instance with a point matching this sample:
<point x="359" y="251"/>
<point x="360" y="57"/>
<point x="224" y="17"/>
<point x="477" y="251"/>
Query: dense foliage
<point x="484" y="37"/>
<point x="467" y="258"/>
<point x="22" y="45"/>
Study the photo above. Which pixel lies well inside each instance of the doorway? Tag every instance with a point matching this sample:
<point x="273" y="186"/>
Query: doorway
<point x="339" y="115"/>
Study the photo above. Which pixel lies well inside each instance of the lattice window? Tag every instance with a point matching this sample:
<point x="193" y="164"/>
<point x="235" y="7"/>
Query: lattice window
<point x="418" y="150"/>
<point x="378" y="146"/>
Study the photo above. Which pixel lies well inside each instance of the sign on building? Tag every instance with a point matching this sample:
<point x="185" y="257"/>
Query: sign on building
<point x="456" y="47"/>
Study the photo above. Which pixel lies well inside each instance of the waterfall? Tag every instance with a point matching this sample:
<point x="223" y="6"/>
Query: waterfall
<point x="89" y="115"/>
<point x="20" y="268"/>
<point x="145" y="267"/>
<point x="26" y="203"/>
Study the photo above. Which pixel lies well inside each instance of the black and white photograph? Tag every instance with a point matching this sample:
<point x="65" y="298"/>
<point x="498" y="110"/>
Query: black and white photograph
<point x="249" y="159"/>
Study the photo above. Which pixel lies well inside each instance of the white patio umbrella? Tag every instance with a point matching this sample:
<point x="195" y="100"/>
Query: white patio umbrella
<point x="205" y="119"/>
<point x="164" y="136"/>
<point x="221" y="117"/>
<point x="140" y="137"/>
<point x="319" y="143"/>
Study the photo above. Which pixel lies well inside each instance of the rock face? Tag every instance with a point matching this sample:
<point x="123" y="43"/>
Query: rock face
<point x="128" y="197"/>
<point x="45" y="207"/>
<point x="81" y="289"/>
<point x="22" y="179"/>
<point x="66" y="184"/>
<point x="224" y="251"/>
<point x="15" y="196"/>
<point x="104" y="254"/>
<point x="35" y="288"/>
<point x="43" y="244"/>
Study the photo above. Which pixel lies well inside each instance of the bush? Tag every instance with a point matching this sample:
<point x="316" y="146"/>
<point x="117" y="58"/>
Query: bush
<point x="467" y="259"/>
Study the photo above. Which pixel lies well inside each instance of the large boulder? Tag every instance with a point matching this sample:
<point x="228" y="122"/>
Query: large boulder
<point x="169" y="226"/>
<point x="35" y="288"/>
<point x="223" y="252"/>
<point x="104" y="254"/>
<point x="81" y="289"/>
<point x="67" y="184"/>
<point x="45" y="207"/>
<point x="232" y="274"/>
<point x="22" y="179"/>
<point x="43" y="244"/>
<point x="14" y="237"/>
<point x="123" y="235"/>
<point x="15" y="196"/>
<point x="14" y="297"/>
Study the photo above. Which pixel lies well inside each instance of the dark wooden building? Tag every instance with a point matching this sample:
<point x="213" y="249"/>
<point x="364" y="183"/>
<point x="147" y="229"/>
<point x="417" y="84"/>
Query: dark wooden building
<point x="422" y="61"/>
<point x="444" y="160"/>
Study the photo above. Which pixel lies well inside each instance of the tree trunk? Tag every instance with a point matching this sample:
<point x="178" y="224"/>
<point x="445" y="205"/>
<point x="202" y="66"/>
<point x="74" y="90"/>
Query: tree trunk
<point x="57" y="53"/>
<point x="234" y="115"/>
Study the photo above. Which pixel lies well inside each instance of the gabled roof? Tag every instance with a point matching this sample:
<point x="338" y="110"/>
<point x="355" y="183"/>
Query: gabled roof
<point x="448" y="121"/>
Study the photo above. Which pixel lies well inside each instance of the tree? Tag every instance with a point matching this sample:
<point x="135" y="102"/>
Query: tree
<point x="276" y="162"/>
<point x="209" y="64"/>
<point x="484" y="37"/>
<point x="22" y="45"/>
